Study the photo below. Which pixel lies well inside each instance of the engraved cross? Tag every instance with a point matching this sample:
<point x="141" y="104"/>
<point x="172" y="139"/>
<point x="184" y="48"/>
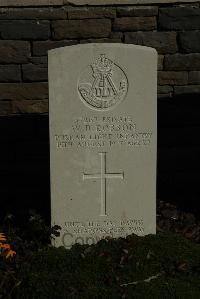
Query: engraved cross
<point x="103" y="176"/>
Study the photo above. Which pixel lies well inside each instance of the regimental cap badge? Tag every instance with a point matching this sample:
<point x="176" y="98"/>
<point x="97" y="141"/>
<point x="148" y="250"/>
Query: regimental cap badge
<point x="103" y="84"/>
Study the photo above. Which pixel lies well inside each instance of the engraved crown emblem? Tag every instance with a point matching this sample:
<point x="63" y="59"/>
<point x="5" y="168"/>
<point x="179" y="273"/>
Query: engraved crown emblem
<point x="102" y="65"/>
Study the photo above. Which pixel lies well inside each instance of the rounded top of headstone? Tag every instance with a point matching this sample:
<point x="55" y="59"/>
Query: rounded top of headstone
<point x="102" y="45"/>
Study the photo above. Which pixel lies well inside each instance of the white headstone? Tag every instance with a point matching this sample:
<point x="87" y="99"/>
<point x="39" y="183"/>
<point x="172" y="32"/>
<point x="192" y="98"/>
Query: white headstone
<point x="102" y="141"/>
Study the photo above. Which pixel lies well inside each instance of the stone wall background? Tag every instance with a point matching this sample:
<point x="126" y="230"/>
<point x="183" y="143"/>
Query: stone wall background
<point x="27" y="33"/>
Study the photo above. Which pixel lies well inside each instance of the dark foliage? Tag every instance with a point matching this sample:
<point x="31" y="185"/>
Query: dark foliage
<point x="163" y="266"/>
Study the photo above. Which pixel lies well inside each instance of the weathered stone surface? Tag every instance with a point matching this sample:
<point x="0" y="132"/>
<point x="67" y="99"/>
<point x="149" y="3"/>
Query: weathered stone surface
<point x="165" y="89"/>
<point x="81" y="28"/>
<point x="31" y="2"/>
<point x="22" y="29"/>
<point x="188" y="89"/>
<point x="5" y="108"/>
<point x="164" y="42"/>
<point x="14" y="51"/>
<point x="182" y="62"/>
<point x="179" y="18"/>
<point x="10" y="73"/>
<point x="172" y="78"/>
<point x="190" y="41"/>
<point x="160" y="62"/>
<point x="194" y="77"/>
<point x="30" y="106"/>
<point x="134" y="23"/>
<point x="26" y="91"/>
<point x="99" y="40"/>
<point x="38" y="60"/>
<point x="137" y="11"/>
<point x="48" y="13"/>
<point x="40" y="48"/>
<point x="34" y="72"/>
<point x="115" y="37"/>
<point x="110" y="2"/>
<point x="81" y="2"/>
<point x="91" y="12"/>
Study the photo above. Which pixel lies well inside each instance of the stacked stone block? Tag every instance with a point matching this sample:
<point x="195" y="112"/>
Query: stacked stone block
<point x="27" y="33"/>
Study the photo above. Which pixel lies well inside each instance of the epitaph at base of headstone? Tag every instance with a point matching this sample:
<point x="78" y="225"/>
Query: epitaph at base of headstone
<point x="102" y="141"/>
